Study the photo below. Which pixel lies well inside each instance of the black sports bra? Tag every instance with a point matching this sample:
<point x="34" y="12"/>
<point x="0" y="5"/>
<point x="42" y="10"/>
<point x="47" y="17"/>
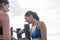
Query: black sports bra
<point x="1" y="31"/>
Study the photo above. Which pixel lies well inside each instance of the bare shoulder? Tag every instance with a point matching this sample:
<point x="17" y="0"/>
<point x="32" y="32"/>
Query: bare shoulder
<point x="42" y="24"/>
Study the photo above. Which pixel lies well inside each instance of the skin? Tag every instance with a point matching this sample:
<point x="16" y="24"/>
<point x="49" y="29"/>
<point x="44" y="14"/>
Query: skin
<point x="43" y="30"/>
<point x="4" y="19"/>
<point x="41" y="26"/>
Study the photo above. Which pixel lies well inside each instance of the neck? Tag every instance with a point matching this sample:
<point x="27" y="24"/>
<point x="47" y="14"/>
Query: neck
<point x="34" y="22"/>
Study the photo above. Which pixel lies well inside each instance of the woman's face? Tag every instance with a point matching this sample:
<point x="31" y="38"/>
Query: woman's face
<point x="5" y="7"/>
<point x="28" y="19"/>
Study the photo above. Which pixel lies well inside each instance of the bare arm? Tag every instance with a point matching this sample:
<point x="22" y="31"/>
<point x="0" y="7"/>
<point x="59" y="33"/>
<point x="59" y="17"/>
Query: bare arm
<point x="43" y="31"/>
<point x="5" y="24"/>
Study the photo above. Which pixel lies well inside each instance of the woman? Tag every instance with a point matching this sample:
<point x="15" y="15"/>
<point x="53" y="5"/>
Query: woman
<point x="4" y="20"/>
<point x="38" y="29"/>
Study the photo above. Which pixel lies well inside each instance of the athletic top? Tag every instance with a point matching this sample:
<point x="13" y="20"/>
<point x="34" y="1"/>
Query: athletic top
<point x="36" y="33"/>
<point x="1" y="30"/>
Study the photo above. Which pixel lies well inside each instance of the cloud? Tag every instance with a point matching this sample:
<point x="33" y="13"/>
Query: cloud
<point x="16" y="9"/>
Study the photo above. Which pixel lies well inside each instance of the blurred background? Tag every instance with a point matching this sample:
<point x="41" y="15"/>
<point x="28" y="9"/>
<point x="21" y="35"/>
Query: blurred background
<point x="47" y="10"/>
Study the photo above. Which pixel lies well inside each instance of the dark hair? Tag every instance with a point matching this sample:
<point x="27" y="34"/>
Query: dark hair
<point x="34" y="14"/>
<point x="3" y="1"/>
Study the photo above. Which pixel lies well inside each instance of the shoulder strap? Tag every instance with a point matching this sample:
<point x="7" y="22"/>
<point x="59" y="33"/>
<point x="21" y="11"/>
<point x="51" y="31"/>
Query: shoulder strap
<point x="37" y="24"/>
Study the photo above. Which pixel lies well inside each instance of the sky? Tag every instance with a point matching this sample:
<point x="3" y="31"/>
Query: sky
<point x="47" y="10"/>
